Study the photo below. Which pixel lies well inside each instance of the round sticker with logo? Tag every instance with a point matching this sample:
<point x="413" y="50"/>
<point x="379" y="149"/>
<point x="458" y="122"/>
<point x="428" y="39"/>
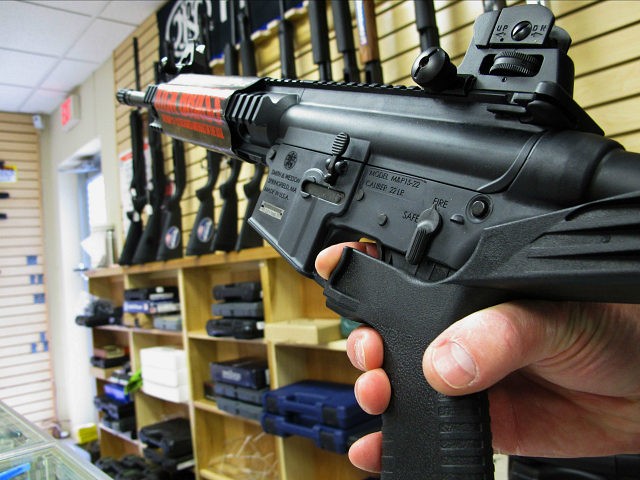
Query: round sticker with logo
<point x="205" y="230"/>
<point x="172" y="238"/>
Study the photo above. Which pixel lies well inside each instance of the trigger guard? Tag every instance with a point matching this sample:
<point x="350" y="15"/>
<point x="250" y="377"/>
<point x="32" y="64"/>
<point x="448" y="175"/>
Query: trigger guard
<point x="344" y="301"/>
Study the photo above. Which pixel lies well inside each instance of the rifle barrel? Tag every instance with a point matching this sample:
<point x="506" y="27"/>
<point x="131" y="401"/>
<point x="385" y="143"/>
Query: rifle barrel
<point x="426" y="24"/>
<point x="320" y="38"/>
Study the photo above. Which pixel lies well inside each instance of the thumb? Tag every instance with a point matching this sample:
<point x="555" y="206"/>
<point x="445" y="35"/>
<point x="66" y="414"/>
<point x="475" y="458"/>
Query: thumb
<point x="486" y="346"/>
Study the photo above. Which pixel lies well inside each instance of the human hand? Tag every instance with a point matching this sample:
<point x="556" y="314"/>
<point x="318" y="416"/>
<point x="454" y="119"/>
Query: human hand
<point x="563" y="378"/>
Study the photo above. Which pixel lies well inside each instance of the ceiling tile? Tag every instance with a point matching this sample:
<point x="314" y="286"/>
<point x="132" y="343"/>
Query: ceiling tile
<point x="133" y="12"/>
<point x="92" y="8"/>
<point x="99" y="42"/>
<point x="43" y="101"/>
<point x="12" y="97"/>
<point x="57" y="44"/>
<point x="25" y="69"/>
<point x="32" y="28"/>
<point x="68" y="74"/>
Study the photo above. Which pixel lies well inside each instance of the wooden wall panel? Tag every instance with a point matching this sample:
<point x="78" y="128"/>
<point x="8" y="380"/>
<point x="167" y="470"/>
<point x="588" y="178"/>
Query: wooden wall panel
<point x="26" y="382"/>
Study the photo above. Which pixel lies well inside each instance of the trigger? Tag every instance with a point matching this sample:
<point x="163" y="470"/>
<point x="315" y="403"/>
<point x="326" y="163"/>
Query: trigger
<point x="428" y="223"/>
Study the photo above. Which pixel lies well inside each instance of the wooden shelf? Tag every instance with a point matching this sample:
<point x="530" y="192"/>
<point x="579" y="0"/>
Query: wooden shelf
<point x="213" y="259"/>
<point x="115" y="444"/>
<point x="286" y="295"/>
<point x="120" y="435"/>
<point x="146" y="331"/>
<point x="211" y="475"/>
<point x="202" y="335"/>
<point x="103" y="373"/>
<point x="211" y="407"/>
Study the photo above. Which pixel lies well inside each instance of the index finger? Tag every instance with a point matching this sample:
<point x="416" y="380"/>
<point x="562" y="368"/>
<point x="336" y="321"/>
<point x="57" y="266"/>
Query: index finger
<point x="328" y="258"/>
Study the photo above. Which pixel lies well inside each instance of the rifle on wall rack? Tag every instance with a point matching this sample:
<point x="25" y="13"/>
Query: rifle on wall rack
<point x="344" y="39"/>
<point x="320" y="38"/>
<point x="426" y="24"/>
<point x="248" y="237"/>
<point x="226" y="234"/>
<point x="368" y="38"/>
<point x="287" y="51"/>
<point x="490" y="5"/>
<point x="147" y="248"/>
<point x="194" y="61"/>
<point x="201" y="238"/>
<point x="171" y="237"/>
<point x="137" y="186"/>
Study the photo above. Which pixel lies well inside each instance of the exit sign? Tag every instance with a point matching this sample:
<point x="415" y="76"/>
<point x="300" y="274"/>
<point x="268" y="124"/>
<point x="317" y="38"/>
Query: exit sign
<point x="70" y="112"/>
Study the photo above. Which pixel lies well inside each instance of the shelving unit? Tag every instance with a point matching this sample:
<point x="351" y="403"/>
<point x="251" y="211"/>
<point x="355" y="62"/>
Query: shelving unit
<point x="286" y="295"/>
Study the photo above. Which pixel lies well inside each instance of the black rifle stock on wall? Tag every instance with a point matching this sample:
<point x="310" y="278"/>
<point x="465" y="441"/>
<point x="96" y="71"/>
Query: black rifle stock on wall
<point x="226" y="232"/>
<point x="226" y="235"/>
<point x="201" y="237"/>
<point x="487" y="183"/>
<point x="194" y="61"/>
<point x="171" y="236"/>
<point x="247" y="236"/>
<point x="147" y="248"/>
<point x="200" y="241"/>
<point x="138" y="179"/>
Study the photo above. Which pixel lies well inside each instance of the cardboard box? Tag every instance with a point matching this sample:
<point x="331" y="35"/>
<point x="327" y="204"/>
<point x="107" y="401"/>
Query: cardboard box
<point x="170" y="358"/>
<point x="303" y="330"/>
<point x="173" y="394"/>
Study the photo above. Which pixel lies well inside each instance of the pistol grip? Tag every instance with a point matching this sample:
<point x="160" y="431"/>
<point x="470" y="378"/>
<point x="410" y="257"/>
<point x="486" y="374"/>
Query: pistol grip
<point x="426" y="435"/>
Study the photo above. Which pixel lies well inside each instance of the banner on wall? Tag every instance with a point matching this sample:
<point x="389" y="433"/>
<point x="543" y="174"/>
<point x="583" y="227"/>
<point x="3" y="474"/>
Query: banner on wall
<point x="179" y="22"/>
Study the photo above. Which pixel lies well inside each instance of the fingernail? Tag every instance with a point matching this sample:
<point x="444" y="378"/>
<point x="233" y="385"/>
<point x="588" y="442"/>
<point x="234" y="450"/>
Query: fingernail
<point x="356" y="391"/>
<point x="454" y="365"/>
<point x="358" y="346"/>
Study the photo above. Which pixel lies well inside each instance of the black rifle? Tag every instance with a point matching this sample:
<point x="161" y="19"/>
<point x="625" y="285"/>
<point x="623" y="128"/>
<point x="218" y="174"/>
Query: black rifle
<point x="344" y="39"/>
<point x="226" y="234"/>
<point x="193" y="61"/>
<point x="201" y="238"/>
<point x="230" y="52"/>
<point x="320" y="38"/>
<point x="426" y="24"/>
<point x="368" y="35"/>
<point x="147" y="248"/>
<point x="171" y="237"/>
<point x="514" y="192"/>
<point x="490" y="5"/>
<point x="248" y="237"/>
<point x="3" y="216"/>
<point x="138" y="180"/>
<point x="287" y="52"/>
<point x="200" y="241"/>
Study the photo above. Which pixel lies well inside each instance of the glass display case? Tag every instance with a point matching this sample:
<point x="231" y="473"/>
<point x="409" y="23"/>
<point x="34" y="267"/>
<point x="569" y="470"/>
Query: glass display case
<point x="26" y="453"/>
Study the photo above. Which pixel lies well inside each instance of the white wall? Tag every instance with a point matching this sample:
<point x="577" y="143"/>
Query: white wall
<point x="70" y="343"/>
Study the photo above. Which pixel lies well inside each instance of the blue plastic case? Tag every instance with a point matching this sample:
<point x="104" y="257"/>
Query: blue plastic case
<point x="332" y="404"/>
<point x="116" y="391"/>
<point x="243" y="372"/>
<point x="328" y="438"/>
